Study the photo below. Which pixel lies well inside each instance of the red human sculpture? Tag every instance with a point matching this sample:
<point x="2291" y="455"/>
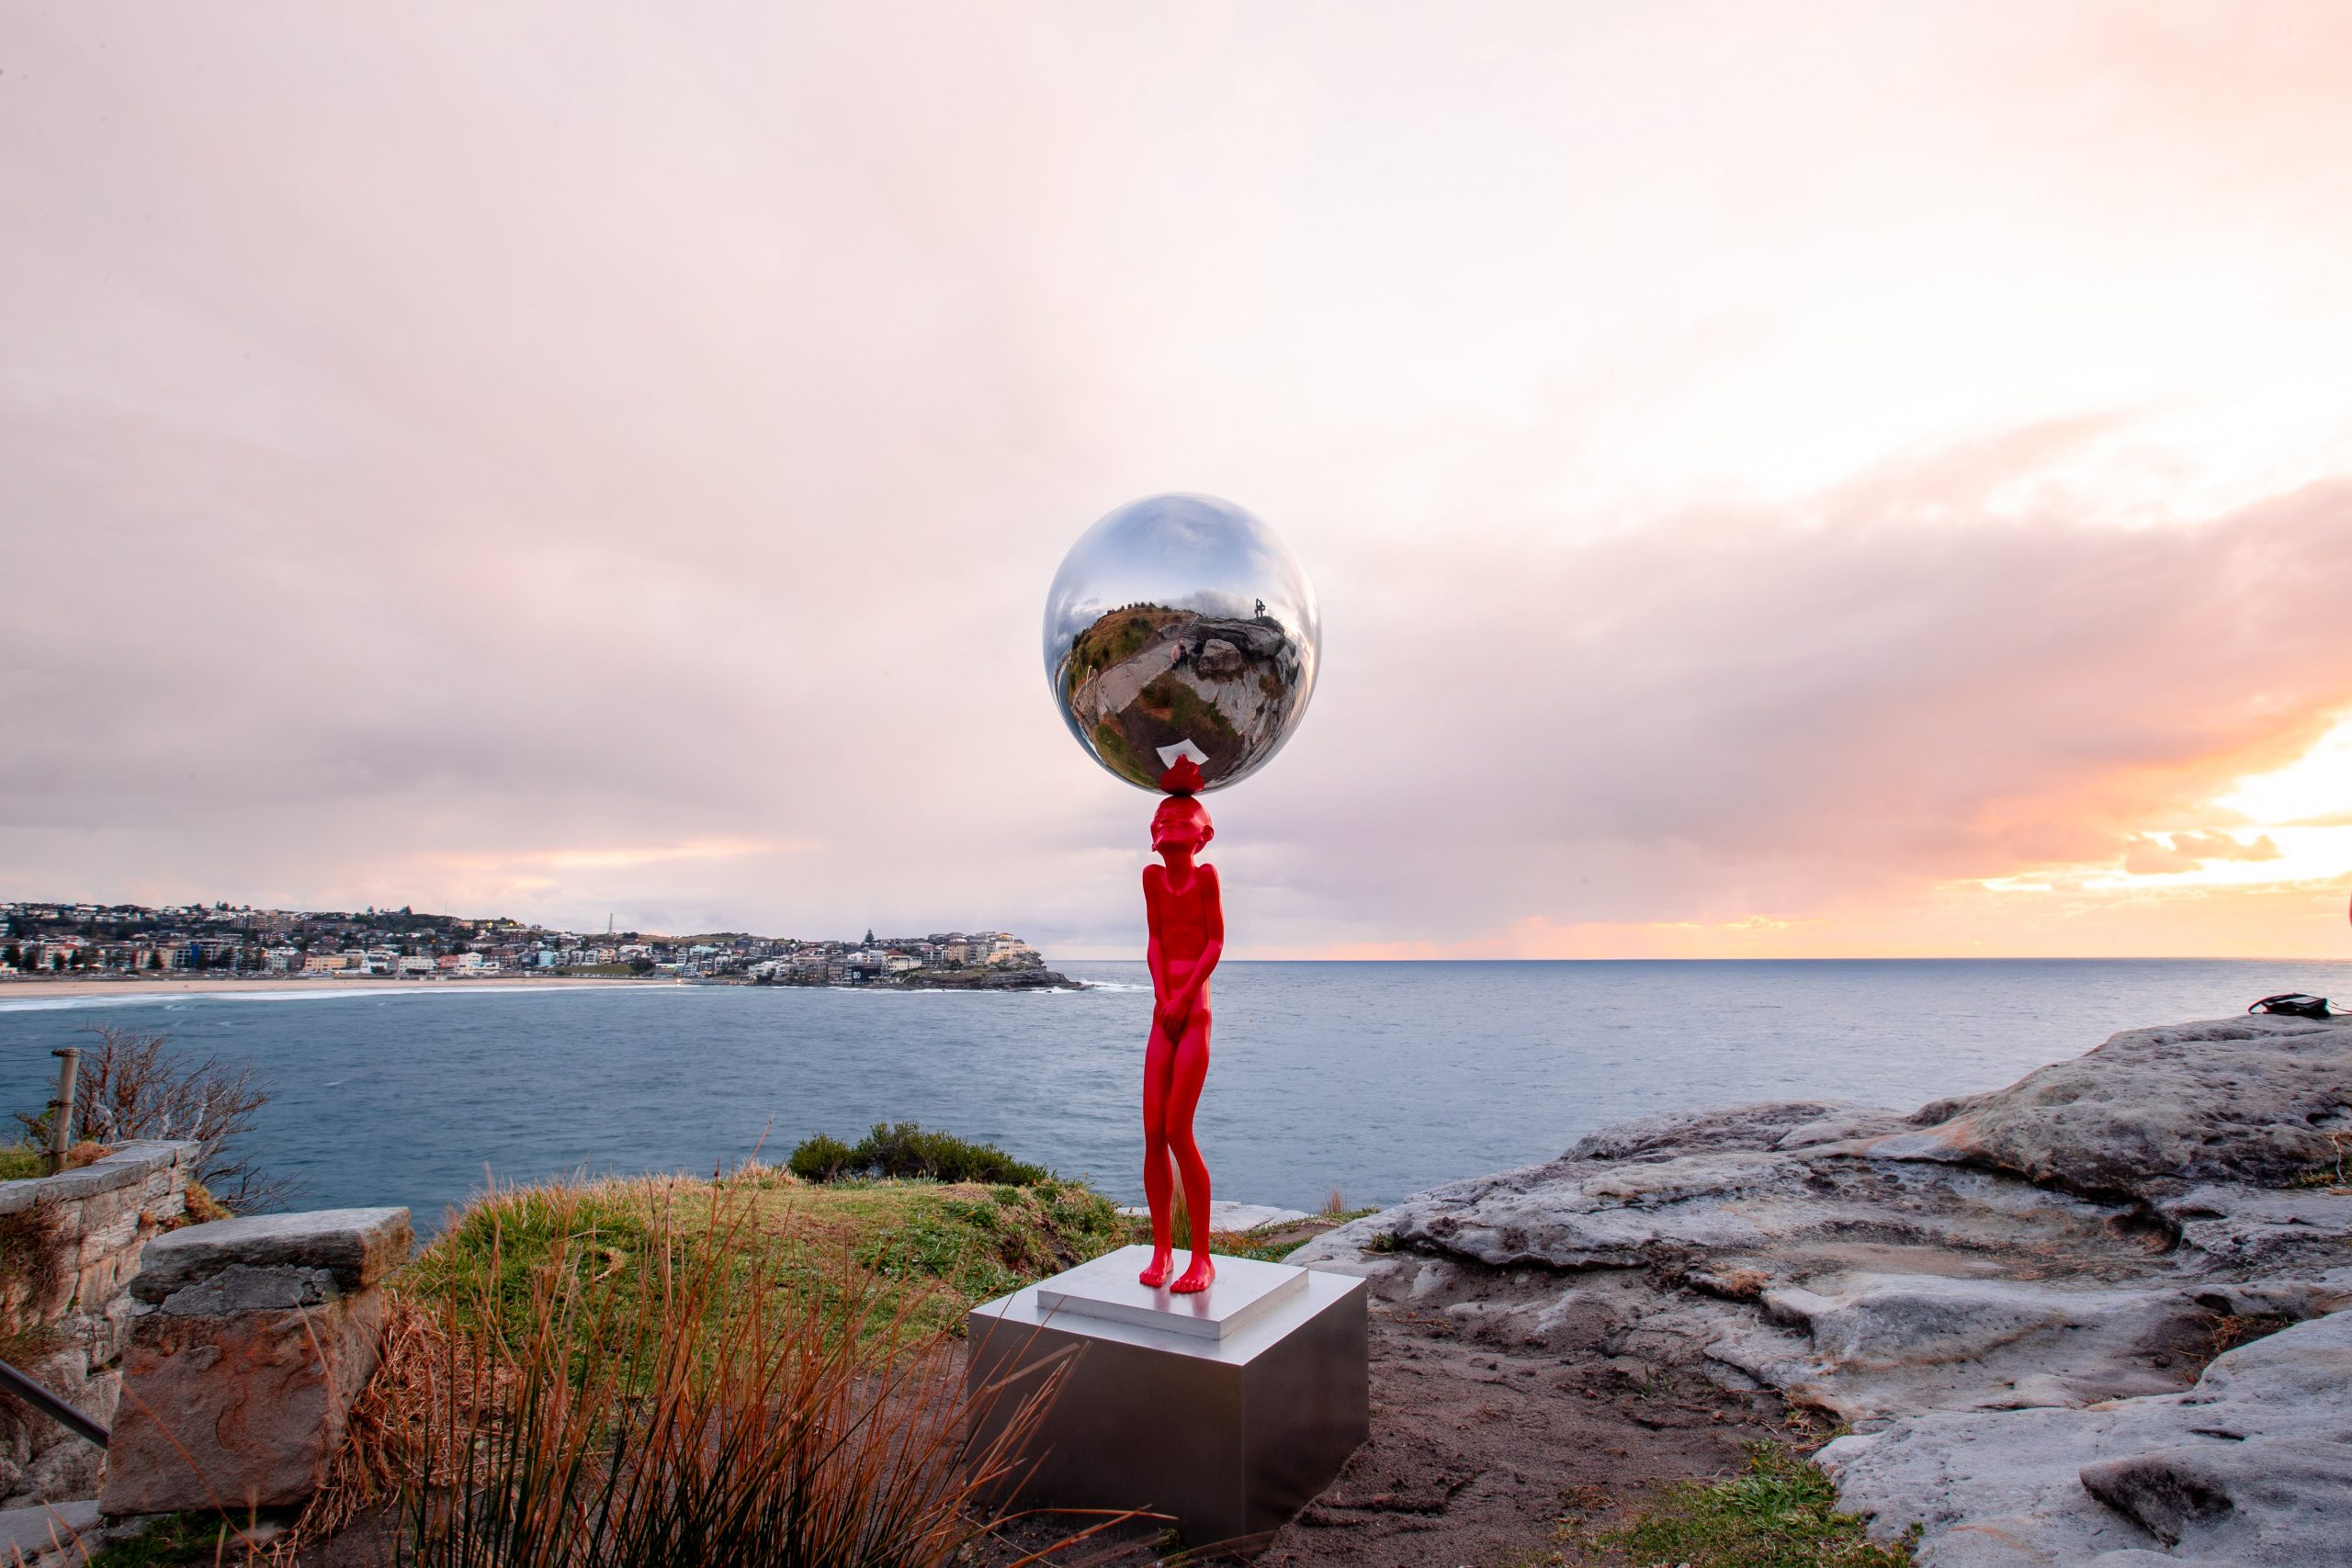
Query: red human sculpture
<point x="1187" y="925"/>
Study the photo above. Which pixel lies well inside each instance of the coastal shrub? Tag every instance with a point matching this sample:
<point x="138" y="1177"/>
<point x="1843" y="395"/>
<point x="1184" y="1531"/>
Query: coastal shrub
<point x="1779" y="1512"/>
<point x="820" y="1159"/>
<point x="905" y="1151"/>
<point x="136" y="1086"/>
<point x="714" y="1409"/>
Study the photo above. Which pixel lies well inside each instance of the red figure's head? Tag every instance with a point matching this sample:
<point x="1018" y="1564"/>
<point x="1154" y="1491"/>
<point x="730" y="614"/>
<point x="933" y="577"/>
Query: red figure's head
<point x="1180" y="827"/>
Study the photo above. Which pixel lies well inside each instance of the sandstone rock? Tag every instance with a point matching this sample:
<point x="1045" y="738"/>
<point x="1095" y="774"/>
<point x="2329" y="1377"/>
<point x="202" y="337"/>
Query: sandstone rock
<point x="257" y="1335"/>
<point x="2011" y="1294"/>
<point x="1675" y="1134"/>
<point x="2252" y="1227"/>
<point x="1219" y="660"/>
<point x="2241" y="1100"/>
<point x="242" y="1410"/>
<point x="2253" y="1466"/>
<point x="357" y="1246"/>
<point x="1864" y="1287"/>
<point x="31" y="1531"/>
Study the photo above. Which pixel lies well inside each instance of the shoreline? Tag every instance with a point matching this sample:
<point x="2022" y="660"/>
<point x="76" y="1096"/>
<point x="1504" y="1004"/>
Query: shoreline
<point x="20" y="988"/>
<point x="20" y="992"/>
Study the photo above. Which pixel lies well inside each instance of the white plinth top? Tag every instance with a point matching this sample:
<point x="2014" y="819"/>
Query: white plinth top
<point x="1244" y="1291"/>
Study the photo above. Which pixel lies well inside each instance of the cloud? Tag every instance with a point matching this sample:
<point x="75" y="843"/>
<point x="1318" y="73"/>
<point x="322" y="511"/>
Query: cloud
<point x="2186" y="852"/>
<point x="492" y="457"/>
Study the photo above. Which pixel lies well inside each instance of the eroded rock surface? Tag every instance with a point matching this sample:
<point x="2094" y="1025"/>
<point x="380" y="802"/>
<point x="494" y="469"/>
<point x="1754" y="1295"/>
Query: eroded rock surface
<point x="2253" y="1465"/>
<point x="2248" y="1099"/>
<point x="2087" y="1238"/>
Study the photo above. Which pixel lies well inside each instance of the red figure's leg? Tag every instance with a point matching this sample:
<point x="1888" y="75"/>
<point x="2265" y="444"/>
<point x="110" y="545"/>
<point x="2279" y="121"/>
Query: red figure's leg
<point x="1191" y="1069"/>
<point x="1158" y="1183"/>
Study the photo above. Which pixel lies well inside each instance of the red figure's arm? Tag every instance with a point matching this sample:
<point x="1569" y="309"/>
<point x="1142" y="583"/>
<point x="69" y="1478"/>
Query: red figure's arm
<point x="1154" y="959"/>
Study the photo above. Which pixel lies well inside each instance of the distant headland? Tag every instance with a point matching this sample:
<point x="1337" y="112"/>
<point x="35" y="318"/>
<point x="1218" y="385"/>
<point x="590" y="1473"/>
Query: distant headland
<point x="63" y="942"/>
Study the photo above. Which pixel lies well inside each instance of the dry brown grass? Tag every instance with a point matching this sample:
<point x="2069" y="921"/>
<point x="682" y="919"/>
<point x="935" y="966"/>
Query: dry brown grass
<point x="654" y="1384"/>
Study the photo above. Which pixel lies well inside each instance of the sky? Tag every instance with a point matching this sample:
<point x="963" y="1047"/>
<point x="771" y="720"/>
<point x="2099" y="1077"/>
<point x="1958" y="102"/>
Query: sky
<point x="1780" y="480"/>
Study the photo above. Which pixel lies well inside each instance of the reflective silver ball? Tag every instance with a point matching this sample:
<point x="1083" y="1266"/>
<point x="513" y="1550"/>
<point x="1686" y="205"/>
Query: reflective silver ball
<point x="1181" y="639"/>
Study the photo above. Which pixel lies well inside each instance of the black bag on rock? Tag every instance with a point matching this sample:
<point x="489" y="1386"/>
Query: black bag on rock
<point x="2294" y="1004"/>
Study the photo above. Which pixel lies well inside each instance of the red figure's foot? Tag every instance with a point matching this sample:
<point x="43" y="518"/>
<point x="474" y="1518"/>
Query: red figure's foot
<point x="1156" y="1273"/>
<point x="1197" y="1277"/>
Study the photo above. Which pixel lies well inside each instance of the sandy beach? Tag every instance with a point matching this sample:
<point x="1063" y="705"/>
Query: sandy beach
<point x="25" y="987"/>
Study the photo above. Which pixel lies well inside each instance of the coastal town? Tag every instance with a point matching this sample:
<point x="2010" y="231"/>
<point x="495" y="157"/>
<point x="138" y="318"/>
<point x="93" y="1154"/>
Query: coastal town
<point x="132" y="942"/>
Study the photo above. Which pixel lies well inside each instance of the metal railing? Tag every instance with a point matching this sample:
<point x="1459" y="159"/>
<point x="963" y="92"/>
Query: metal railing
<point x="48" y="1404"/>
<point x="60" y="1139"/>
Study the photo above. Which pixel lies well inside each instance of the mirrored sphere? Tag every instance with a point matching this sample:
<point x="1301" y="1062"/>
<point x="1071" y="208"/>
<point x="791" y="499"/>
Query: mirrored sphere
<point x="1180" y="642"/>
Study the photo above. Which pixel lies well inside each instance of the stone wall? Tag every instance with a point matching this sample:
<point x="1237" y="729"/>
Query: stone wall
<point x="69" y="1244"/>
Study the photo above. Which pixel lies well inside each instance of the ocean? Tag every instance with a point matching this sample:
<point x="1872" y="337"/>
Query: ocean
<point x="1373" y="1080"/>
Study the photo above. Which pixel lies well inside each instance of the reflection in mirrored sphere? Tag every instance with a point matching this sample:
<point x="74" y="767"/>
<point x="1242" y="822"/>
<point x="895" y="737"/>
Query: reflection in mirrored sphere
<point x="1180" y="642"/>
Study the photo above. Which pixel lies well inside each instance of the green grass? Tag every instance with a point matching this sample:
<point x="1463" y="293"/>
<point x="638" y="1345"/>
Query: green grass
<point x="939" y="1246"/>
<point x="1111" y="744"/>
<point x="171" y="1540"/>
<point x="22" y="1162"/>
<point x="1184" y="708"/>
<point x="1253" y="1243"/>
<point x="1782" y="1512"/>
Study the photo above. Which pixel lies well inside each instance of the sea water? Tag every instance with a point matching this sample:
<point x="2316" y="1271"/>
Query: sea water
<point x="1371" y="1080"/>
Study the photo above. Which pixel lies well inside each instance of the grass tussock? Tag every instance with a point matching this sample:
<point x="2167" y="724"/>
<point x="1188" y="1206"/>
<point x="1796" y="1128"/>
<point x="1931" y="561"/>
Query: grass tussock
<point x="650" y="1373"/>
<point x="1779" y="1512"/>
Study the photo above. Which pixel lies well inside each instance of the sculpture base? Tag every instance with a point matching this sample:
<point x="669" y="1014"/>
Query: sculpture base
<point x="1227" y="1414"/>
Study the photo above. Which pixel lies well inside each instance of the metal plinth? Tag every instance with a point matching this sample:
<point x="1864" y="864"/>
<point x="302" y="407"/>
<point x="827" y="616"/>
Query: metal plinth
<point x="1229" y="1429"/>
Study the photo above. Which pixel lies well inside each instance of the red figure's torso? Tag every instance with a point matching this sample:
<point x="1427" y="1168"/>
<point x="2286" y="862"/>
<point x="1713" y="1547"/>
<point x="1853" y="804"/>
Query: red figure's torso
<point x="1181" y="920"/>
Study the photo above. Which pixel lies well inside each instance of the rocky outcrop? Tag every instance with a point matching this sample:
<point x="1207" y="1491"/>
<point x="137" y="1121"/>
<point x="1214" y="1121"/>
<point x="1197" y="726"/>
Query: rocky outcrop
<point x="69" y="1244"/>
<point x="2250" y="1101"/>
<point x="2078" y="1243"/>
<point x="251" y="1338"/>
<point x="999" y="977"/>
